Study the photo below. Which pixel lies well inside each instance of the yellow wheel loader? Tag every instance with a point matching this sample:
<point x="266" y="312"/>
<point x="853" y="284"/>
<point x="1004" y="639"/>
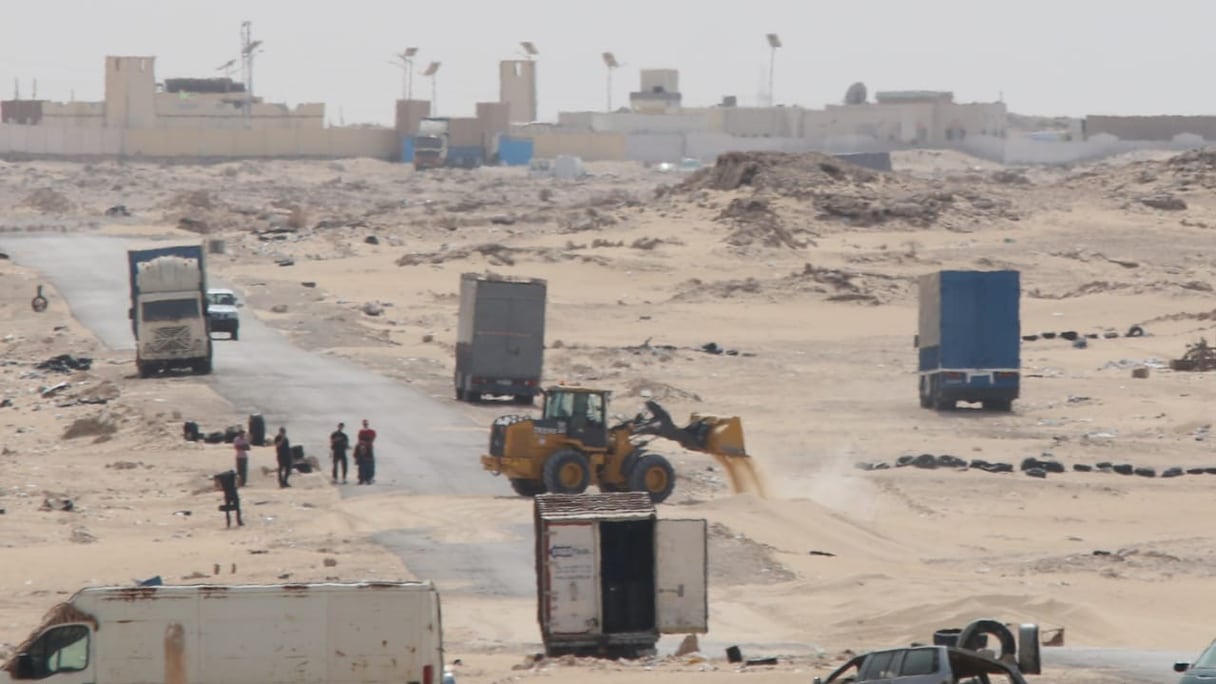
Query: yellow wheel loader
<point x="571" y="447"/>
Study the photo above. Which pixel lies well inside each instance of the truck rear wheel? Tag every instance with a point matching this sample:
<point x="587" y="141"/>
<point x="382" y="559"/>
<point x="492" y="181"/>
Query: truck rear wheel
<point x="1003" y="405"/>
<point x="567" y="472"/>
<point x="202" y="367"/>
<point x="527" y="487"/>
<point x="145" y="370"/>
<point x="523" y="399"/>
<point x="654" y="475"/>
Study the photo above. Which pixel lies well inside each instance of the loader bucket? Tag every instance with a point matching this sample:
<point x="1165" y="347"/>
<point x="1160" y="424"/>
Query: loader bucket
<point x="724" y="442"/>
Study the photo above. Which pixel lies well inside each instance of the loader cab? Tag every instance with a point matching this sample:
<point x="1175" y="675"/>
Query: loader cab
<point x="579" y="413"/>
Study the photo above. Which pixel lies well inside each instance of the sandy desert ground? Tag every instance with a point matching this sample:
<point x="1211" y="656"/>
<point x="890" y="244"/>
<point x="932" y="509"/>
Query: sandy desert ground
<point x="803" y="266"/>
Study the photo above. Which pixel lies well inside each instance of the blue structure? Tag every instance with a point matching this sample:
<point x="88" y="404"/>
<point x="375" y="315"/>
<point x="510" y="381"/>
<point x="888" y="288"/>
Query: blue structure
<point x="969" y="339"/>
<point x="515" y="151"/>
<point x="407" y="150"/>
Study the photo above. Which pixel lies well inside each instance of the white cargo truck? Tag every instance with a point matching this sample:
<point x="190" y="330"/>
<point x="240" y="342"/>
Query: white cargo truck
<point x="371" y="633"/>
<point x="169" y="309"/>
<point x="612" y="577"/>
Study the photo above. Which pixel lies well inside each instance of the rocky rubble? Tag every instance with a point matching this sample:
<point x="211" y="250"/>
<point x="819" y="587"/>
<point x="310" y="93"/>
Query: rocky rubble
<point x="828" y="190"/>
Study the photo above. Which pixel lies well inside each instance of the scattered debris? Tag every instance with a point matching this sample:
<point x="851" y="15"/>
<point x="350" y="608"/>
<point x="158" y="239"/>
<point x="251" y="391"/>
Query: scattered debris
<point x="66" y="363"/>
<point x="1164" y="202"/>
<point x="286" y="262"/>
<point x="118" y="210"/>
<point x="100" y="426"/>
<point x="1199" y="357"/>
<point x="57" y="503"/>
<point x="372" y="308"/>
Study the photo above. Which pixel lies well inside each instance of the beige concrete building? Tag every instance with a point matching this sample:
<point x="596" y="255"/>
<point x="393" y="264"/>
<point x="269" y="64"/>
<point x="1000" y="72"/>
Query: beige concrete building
<point x="517" y="88"/>
<point x="659" y="92"/>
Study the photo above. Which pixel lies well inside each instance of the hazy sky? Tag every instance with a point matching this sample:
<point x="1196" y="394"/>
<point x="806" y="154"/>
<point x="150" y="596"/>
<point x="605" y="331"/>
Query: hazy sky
<point x="1059" y="57"/>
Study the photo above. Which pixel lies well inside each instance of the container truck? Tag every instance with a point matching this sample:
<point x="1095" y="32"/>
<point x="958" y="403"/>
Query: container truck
<point x="969" y="339"/>
<point x="500" y="337"/>
<point x="329" y="633"/>
<point x="611" y="576"/>
<point x="169" y="309"/>
<point x="431" y="144"/>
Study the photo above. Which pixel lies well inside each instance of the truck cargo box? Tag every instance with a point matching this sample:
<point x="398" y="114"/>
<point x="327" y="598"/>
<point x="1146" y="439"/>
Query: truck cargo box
<point x="612" y="577"/>
<point x="500" y="337"/>
<point x="969" y="338"/>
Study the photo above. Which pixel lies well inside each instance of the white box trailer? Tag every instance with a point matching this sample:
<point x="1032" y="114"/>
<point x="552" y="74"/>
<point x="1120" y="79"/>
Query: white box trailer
<point x="612" y="577"/>
<point x="368" y="632"/>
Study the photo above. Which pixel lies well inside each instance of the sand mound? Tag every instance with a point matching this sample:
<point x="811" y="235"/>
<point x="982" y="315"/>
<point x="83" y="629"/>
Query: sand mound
<point x="792" y="189"/>
<point x="781" y="172"/>
<point x="834" y="285"/>
<point x="48" y="201"/>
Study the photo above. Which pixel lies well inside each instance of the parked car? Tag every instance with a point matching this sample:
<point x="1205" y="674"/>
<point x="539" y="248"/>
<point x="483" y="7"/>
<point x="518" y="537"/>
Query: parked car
<point x="926" y="665"/>
<point x="222" y="315"/>
<point x="1202" y="670"/>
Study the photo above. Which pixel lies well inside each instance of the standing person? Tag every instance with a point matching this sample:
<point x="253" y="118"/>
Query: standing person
<point x="338" y="444"/>
<point x="282" y="450"/>
<point x="241" y="444"/>
<point x="367" y="464"/>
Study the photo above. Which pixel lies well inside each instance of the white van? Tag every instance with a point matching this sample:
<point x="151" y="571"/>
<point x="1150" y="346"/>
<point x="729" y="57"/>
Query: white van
<point x="368" y="632"/>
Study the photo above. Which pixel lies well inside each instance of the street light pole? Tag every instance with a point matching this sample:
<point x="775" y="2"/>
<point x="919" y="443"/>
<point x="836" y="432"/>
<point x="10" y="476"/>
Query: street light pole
<point x="773" y="43"/>
<point x="611" y="63"/>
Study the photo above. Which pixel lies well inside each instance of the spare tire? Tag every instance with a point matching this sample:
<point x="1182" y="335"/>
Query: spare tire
<point x="257" y="430"/>
<point x="969" y="637"/>
<point x="1135" y="331"/>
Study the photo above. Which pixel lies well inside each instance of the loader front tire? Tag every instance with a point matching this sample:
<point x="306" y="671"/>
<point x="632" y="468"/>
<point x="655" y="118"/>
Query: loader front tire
<point x="654" y="475"/>
<point x="567" y="472"/>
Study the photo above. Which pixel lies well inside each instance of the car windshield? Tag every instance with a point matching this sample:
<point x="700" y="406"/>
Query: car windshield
<point x="1207" y="658"/>
<point x="222" y="298"/>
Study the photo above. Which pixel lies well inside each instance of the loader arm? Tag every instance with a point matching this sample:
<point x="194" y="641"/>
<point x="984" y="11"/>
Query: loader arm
<point x="721" y="438"/>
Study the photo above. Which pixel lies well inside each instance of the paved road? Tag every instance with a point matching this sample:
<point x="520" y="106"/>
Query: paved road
<point x="423" y="446"/>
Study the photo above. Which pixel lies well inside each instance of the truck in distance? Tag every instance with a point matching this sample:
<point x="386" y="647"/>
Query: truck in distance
<point x="969" y="339"/>
<point x="169" y="309"/>
<point x="500" y="337"/>
<point x="431" y="144"/>
<point x="222" y="314"/>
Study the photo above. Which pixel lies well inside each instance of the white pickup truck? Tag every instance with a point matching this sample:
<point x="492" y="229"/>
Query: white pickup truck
<point x="368" y="632"/>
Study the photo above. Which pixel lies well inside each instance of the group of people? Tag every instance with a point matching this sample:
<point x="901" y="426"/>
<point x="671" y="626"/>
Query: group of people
<point x="365" y="453"/>
<point x="339" y="444"/>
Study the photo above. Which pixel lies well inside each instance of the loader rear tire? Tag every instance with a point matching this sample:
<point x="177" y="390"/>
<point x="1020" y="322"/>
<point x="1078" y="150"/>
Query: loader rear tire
<point x="527" y="487"/>
<point x="654" y="475"/>
<point x="567" y="472"/>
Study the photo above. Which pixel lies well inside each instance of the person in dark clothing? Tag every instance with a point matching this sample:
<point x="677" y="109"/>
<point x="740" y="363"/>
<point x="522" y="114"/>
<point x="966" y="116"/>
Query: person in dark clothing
<point x="282" y="449"/>
<point x="365" y="454"/>
<point x="338" y="444"/>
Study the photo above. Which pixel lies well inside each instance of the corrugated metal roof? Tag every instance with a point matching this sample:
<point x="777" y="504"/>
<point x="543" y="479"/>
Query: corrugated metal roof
<point x="611" y="506"/>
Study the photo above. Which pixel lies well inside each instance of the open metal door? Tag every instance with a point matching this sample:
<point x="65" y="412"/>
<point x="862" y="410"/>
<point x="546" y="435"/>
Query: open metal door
<point x="681" y="567"/>
<point x="572" y="597"/>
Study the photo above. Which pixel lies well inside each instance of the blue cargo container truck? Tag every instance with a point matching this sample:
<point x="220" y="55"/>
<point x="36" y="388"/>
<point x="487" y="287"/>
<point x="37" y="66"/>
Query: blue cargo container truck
<point x="969" y="339"/>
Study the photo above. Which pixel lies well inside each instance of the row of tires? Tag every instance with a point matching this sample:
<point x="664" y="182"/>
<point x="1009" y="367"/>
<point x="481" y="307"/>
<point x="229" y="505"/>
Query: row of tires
<point x="1031" y="466"/>
<point x="569" y="472"/>
<point x="1073" y="336"/>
